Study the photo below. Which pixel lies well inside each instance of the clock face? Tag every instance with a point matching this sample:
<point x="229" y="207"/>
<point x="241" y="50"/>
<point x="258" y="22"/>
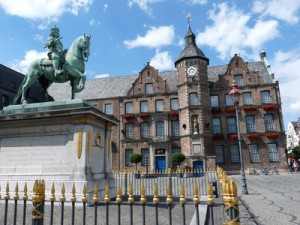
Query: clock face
<point x="191" y="71"/>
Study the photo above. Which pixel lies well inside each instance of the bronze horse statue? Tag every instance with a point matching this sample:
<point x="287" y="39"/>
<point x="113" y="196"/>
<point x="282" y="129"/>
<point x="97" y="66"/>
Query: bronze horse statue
<point x="42" y="70"/>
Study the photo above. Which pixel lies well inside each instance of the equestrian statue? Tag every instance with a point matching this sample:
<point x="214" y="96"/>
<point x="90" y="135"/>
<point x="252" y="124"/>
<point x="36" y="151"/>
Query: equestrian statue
<point x="60" y="67"/>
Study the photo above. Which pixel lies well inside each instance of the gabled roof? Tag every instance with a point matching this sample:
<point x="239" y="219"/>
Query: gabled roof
<point x="118" y="86"/>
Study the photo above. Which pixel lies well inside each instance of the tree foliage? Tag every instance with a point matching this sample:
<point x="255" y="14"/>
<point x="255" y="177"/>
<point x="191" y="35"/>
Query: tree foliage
<point x="135" y="158"/>
<point x="295" y="154"/>
<point x="178" y="157"/>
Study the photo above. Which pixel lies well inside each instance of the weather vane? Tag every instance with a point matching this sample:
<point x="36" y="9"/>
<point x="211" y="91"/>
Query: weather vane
<point x="189" y="15"/>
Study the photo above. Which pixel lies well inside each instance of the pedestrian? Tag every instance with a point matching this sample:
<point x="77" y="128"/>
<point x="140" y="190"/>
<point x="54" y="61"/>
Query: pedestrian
<point x="295" y="166"/>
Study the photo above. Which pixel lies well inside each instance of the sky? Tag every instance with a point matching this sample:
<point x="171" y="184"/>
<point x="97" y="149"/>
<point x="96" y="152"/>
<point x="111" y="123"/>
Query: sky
<point x="126" y="34"/>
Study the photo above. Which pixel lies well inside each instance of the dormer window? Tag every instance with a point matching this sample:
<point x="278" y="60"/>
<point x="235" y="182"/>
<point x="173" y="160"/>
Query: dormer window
<point x="239" y="80"/>
<point x="149" y="88"/>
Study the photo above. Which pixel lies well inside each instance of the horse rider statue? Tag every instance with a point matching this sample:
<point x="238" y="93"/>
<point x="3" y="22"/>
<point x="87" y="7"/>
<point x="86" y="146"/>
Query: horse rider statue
<point x="56" y="52"/>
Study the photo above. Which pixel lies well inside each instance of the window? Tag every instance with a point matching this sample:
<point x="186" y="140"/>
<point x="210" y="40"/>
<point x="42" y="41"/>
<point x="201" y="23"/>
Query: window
<point x="149" y="89"/>
<point x="265" y="97"/>
<point x="144" y="130"/>
<point x="174" y="104"/>
<point x="128" y="153"/>
<point x="247" y="97"/>
<point x="193" y="99"/>
<point x="175" y="128"/>
<point x="128" y="130"/>
<point x="228" y="100"/>
<point x="108" y="109"/>
<point x="5" y="100"/>
<point x="269" y="122"/>
<point x="273" y="153"/>
<point x="128" y="107"/>
<point x="217" y="128"/>
<point x="175" y="149"/>
<point x="145" y="156"/>
<point x="144" y="106"/>
<point x="214" y="101"/>
<point x="235" y="154"/>
<point x="239" y="80"/>
<point x="159" y="105"/>
<point x="159" y="128"/>
<point x="250" y="124"/>
<point x="232" y="126"/>
<point x="219" y="152"/>
<point x="254" y="155"/>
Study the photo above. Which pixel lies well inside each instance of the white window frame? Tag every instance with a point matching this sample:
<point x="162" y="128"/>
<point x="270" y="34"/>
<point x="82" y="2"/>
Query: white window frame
<point x="175" y="128"/>
<point x="174" y="103"/>
<point x="217" y="125"/>
<point x="250" y="123"/>
<point x="144" y="130"/>
<point x="254" y="153"/>
<point x="108" y="108"/>
<point x="239" y="80"/>
<point x="144" y="106"/>
<point x="128" y="107"/>
<point x="235" y="154"/>
<point x="128" y="153"/>
<point x="231" y="125"/>
<point x="265" y="97"/>
<point x="269" y="122"/>
<point x="214" y="101"/>
<point x="159" y="105"/>
<point x="273" y="152"/>
<point x="228" y="100"/>
<point x="128" y="130"/>
<point x="247" y="98"/>
<point x="193" y="98"/>
<point x="148" y="88"/>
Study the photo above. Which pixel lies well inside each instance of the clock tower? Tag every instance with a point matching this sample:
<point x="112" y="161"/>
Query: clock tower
<point x="194" y="103"/>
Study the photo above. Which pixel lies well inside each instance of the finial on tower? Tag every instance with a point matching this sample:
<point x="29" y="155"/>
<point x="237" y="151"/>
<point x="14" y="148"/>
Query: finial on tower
<point x="189" y="15"/>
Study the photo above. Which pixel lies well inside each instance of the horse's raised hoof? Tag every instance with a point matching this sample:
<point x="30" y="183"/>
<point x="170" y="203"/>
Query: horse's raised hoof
<point x="24" y="102"/>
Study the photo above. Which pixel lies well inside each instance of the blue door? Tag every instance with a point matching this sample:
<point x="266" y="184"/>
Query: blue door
<point x="198" y="168"/>
<point x="160" y="163"/>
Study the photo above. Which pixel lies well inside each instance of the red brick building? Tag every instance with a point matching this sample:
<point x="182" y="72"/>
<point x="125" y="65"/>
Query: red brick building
<point x="189" y="111"/>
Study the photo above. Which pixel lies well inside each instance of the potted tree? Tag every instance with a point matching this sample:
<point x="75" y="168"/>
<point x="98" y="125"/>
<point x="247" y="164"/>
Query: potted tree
<point x="178" y="158"/>
<point x="136" y="158"/>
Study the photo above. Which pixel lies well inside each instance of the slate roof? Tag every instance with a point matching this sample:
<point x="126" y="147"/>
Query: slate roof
<point x="113" y="87"/>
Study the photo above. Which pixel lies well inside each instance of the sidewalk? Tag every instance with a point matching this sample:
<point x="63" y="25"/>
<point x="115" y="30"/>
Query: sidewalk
<point x="272" y="199"/>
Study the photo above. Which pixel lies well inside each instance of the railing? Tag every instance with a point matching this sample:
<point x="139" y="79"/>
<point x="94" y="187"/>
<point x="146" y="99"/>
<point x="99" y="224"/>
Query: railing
<point x="157" y="139"/>
<point x="123" y="209"/>
<point x="163" y="178"/>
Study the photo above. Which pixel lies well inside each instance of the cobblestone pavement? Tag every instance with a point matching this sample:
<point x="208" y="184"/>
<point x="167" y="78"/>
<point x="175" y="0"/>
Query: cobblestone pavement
<point x="272" y="199"/>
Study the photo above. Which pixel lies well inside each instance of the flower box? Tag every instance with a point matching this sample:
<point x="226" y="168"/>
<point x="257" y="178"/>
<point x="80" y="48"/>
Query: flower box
<point x="269" y="107"/>
<point x="218" y="137"/>
<point x="253" y="136"/>
<point x="272" y="135"/>
<point x="249" y="108"/>
<point x="174" y="114"/>
<point x="216" y="110"/>
<point x="233" y="136"/>
<point x="230" y="109"/>
<point x="128" y="116"/>
<point x="144" y="115"/>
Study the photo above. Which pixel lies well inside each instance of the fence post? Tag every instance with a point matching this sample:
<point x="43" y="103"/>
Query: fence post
<point x="230" y="199"/>
<point x="210" y="203"/>
<point x="38" y="202"/>
<point x="125" y="181"/>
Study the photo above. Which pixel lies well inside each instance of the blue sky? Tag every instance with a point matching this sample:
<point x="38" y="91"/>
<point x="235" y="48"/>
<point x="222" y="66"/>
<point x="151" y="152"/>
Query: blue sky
<point x="126" y="34"/>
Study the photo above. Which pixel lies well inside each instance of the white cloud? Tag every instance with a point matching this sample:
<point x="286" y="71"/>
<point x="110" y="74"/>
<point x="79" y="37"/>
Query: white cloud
<point x="104" y="75"/>
<point x="155" y="37"/>
<point x="198" y="2"/>
<point x="143" y="5"/>
<point x="105" y="7"/>
<point x="279" y="9"/>
<point x="229" y="35"/>
<point x="31" y="55"/>
<point x="283" y="65"/>
<point x="43" y="9"/>
<point x="162" y="61"/>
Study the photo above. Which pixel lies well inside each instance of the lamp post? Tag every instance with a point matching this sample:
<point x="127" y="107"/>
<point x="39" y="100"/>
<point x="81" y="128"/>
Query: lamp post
<point x="235" y="94"/>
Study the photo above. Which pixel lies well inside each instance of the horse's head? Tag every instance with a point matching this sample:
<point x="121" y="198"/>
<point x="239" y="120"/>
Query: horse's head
<point x="84" y="45"/>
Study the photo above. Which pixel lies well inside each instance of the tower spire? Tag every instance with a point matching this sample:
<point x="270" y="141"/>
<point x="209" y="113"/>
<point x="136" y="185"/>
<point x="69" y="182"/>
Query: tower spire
<point x="188" y="17"/>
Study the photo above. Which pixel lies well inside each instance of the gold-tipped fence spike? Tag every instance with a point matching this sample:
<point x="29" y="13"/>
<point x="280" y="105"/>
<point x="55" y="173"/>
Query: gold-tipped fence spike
<point x="63" y="192"/>
<point x="119" y="194"/>
<point x="95" y="197"/>
<point x="182" y="194"/>
<point x="16" y="195"/>
<point x="196" y="199"/>
<point x="73" y="196"/>
<point x="143" y="199"/>
<point x="210" y="198"/>
<point x="169" y="195"/>
<point x="155" y="194"/>
<point x="84" y="194"/>
<point x="6" y="196"/>
<point x="52" y="196"/>
<point x="106" y="196"/>
<point x="130" y="194"/>
<point x="25" y="195"/>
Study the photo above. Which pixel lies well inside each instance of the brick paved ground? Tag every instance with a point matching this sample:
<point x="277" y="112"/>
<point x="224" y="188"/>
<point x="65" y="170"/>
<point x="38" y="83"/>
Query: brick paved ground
<point x="272" y="199"/>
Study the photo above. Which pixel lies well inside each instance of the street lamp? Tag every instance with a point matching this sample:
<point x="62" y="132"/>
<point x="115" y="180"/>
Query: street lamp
<point x="235" y="94"/>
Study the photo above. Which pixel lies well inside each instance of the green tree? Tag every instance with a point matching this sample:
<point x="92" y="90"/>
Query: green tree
<point x="178" y="158"/>
<point x="135" y="158"/>
<point x="295" y="153"/>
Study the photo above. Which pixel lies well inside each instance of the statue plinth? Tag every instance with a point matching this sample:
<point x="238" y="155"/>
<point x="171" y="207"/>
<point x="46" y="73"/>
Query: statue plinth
<point x="59" y="142"/>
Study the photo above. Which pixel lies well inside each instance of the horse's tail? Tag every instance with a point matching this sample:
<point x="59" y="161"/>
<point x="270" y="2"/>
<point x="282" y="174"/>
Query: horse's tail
<point x="17" y="98"/>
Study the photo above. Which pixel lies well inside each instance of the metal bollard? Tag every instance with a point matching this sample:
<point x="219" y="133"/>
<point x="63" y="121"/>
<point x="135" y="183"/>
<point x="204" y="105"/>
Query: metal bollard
<point x="38" y="202"/>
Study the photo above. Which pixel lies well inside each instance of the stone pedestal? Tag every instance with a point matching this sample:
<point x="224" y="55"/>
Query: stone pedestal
<point x="59" y="142"/>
